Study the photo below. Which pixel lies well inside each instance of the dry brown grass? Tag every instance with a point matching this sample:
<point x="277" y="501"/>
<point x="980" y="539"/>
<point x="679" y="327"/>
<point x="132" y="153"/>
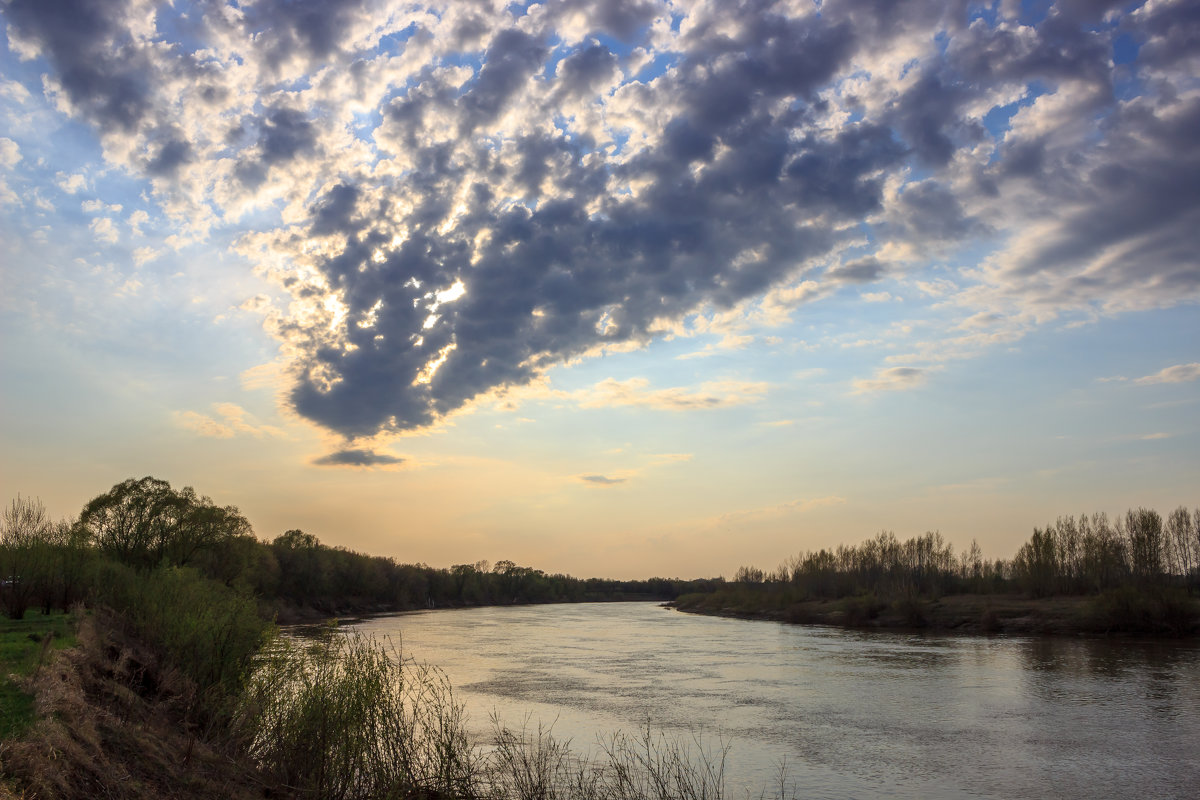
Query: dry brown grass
<point x="112" y="724"/>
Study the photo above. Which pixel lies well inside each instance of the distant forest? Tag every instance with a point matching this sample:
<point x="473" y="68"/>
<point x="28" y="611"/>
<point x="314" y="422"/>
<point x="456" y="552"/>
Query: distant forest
<point x="143" y="524"/>
<point x="1074" y="556"/>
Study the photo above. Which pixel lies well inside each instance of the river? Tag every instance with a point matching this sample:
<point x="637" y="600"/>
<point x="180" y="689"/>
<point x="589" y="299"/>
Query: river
<point x="852" y="714"/>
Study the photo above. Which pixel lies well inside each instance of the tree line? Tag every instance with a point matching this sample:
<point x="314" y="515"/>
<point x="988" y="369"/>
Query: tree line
<point x="145" y="524"/>
<point x="1089" y="554"/>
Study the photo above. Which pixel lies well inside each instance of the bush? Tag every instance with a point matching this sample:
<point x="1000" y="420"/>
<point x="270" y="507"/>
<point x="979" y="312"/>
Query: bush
<point x="209" y="631"/>
<point x="860" y="610"/>
<point x="343" y="716"/>
<point x="912" y="611"/>
<point x="1129" y="609"/>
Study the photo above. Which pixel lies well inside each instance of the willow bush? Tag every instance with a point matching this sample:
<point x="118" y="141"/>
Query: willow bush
<point x="342" y="716"/>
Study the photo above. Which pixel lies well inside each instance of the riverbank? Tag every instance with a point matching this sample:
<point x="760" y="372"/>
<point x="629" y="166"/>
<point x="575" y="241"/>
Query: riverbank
<point x="109" y="716"/>
<point x="287" y="615"/>
<point x="967" y="613"/>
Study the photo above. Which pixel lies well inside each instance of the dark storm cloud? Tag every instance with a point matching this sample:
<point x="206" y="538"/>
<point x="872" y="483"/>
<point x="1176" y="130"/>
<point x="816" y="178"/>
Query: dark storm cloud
<point x="585" y="70"/>
<point x="577" y="217"/>
<point x="510" y="60"/>
<point x="313" y="29"/>
<point x="557" y="281"/>
<point x="172" y="154"/>
<point x="81" y="38"/>
<point x="931" y="212"/>
<point x="286" y="133"/>
<point x="844" y="175"/>
<point x="623" y="19"/>
<point x="333" y="212"/>
<point x="1168" y="33"/>
<point x="864" y="270"/>
<point x="1142" y="210"/>
<point x="356" y="458"/>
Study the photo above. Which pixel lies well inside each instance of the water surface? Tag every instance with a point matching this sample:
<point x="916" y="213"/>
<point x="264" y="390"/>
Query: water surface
<point x="853" y="714"/>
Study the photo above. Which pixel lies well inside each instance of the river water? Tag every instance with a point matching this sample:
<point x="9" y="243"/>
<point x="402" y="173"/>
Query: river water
<point x="852" y="714"/>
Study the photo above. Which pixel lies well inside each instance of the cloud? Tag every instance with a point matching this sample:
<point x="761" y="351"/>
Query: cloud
<point x="368" y="157"/>
<point x="864" y="270"/>
<point x="357" y="458"/>
<point x="891" y="379"/>
<point x="203" y="425"/>
<point x="1155" y="436"/>
<point x="636" y="392"/>
<point x="136" y="220"/>
<point x="1180" y="373"/>
<point x="601" y="480"/>
<point x="104" y="229"/>
<point x="143" y="255"/>
<point x="228" y="420"/>
<point x="71" y="184"/>
<point x="10" y="153"/>
<point x="625" y="475"/>
<point x="100" y="207"/>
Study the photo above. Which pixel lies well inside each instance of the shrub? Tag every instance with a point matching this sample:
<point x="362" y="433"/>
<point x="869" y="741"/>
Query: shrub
<point x="342" y="716"/>
<point x="860" y="610"/>
<point x="209" y="631"/>
<point x="1129" y="609"/>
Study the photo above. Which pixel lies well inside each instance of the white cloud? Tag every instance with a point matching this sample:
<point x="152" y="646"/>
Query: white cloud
<point x="227" y="421"/>
<point x="1180" y="373"/>
<point x="136" y="220"/>
<point x="104" y="229"/>
<point x="891" y="379"/>
<point x="71" y="184"/>
<point x="10" y="153"/>
<point x="143" y="255"/>
<point x="636" y="392"/>
<point x="100" y="207"/>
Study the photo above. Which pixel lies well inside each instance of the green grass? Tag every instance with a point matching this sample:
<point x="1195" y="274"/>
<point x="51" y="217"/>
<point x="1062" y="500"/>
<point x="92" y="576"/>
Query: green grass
<point x="22" y="648"/>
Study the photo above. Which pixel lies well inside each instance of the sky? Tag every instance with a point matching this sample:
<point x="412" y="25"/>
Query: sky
<point x="605" y="287"/>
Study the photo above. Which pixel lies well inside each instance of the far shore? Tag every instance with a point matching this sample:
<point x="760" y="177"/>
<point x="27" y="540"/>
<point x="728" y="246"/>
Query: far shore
<point x="289" y="615"/>
<point x="965" y="613"/>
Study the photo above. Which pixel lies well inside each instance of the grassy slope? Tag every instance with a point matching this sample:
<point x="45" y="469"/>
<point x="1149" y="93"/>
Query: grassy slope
<point x="24" y="645"/>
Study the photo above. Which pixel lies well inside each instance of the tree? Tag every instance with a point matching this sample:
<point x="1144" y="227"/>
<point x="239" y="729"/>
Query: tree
<point x="748" y="575"/>
<point x="145" y="523"/>
<point x="1183" y="553"/>
<point x="1144" y="533"/>
<point x="25" y="553"/>
<point x="1037" y="563"/>
<point x="201" y="526"/>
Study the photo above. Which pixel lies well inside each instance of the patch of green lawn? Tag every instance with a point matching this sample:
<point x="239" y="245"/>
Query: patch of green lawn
<point x="22" y="647"/>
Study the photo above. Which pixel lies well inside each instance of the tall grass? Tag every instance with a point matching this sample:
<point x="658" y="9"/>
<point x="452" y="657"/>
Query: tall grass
<point x="343" y="716"/>
<point x="531" y="764"/>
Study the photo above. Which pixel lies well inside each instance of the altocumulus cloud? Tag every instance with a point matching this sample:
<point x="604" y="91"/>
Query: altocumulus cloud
<point x="466" y="194"/>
